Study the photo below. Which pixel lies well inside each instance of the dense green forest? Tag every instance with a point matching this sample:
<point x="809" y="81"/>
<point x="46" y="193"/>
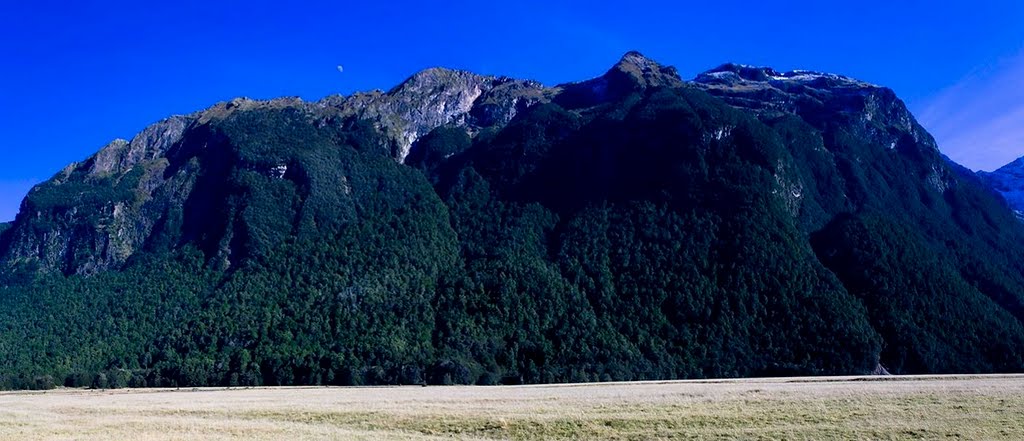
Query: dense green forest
<point x="616" y="241"/>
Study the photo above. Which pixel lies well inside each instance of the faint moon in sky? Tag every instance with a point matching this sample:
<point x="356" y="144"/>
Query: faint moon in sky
<point x="340" y="69"/>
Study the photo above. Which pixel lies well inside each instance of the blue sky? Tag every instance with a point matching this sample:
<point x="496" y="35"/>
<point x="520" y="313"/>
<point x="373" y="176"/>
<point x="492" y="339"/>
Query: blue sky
<point x="79" y="74"/>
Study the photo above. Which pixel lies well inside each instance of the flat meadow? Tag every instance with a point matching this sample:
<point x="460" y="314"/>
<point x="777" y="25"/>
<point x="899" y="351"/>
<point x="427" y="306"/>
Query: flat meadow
<point x="989" y="407"/>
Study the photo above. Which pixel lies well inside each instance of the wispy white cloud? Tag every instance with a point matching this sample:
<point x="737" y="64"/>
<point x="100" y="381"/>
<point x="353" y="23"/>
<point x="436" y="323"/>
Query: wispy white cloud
<point x="979" y="122"/>
<point x="11" y="194"/>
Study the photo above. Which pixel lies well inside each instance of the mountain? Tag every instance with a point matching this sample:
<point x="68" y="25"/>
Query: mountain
<point x="461" y="228"/>
<point x="1008" y="181"/>
<point x="94" y="215"/>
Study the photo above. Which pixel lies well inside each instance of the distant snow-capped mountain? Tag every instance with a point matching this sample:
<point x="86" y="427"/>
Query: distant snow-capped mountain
<point x="1008" y="181"/>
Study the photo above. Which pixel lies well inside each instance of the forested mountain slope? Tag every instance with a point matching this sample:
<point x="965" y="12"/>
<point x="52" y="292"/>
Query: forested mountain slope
<point x="472" y="229"/>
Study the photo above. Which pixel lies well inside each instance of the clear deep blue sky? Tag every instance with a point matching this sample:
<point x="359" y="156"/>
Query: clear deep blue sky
<point x="76" y="75"/>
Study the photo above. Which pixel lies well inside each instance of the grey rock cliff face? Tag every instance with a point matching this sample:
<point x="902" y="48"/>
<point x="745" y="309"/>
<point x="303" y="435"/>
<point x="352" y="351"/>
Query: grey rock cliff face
<point x="93" y="215"/>
<point x="153" y="142"/>
<point x="437" y="97"/>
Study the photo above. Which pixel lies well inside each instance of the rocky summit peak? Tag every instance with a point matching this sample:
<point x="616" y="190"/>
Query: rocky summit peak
<point x="744" y="71"/>
<point x="634" y="72"/>
<point x="440" y="77"/>
<point x="733" y="74"/>
<point x="644" y="71"/>
<point x="639" y="61"/>
<point x="437" y="97"/>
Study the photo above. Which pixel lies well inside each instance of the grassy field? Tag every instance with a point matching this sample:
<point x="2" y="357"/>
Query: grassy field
<point x="946" y="407"/>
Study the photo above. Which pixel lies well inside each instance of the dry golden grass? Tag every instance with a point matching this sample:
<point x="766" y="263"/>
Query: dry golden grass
<point x="962" y="407"/>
